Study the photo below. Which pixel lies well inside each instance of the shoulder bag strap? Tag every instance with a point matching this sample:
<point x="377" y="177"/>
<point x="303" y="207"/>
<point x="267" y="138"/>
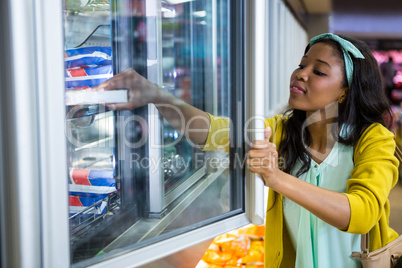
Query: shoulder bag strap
<point x="398" y="154"/>
<point x="365" y="243"/>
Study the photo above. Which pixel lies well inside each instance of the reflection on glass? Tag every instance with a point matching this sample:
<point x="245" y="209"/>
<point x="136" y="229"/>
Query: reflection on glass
<point x="124" y="192"/>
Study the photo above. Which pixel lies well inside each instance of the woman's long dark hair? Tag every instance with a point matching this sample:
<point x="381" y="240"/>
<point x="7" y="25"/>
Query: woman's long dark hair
<point x="365" y="104"/>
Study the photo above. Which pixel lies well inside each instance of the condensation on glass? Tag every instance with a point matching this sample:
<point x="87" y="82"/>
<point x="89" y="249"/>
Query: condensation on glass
<point x="133" y="179"/>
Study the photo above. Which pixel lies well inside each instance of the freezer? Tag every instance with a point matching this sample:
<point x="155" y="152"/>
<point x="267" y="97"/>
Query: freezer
<point x="122" y="188"/>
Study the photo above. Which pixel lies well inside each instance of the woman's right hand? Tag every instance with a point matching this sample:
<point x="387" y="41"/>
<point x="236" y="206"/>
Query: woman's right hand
<point x="263" y="159"/>
<point x="141" y="90"/>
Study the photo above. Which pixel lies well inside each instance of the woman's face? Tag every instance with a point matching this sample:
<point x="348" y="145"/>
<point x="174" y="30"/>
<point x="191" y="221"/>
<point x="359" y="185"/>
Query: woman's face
<point x="318" y="80"/>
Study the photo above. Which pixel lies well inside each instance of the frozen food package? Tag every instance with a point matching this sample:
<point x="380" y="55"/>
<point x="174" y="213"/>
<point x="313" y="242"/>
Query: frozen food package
<point x="84" y="77"/>
<point x="87" y="97"/>
<point x="91" y="182"/>
<point x="88" y="57"/>
<point x="79" y="203"/>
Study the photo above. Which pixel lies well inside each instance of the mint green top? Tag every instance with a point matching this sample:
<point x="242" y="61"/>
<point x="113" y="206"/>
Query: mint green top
<point x="317" y="243"/>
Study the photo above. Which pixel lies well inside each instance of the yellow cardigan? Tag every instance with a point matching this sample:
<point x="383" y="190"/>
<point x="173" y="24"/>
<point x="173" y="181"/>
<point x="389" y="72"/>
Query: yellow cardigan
<point x="374" y="175"/>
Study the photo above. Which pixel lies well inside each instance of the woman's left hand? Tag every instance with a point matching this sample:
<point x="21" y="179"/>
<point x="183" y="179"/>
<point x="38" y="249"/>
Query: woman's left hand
<point x="263" y="159"/>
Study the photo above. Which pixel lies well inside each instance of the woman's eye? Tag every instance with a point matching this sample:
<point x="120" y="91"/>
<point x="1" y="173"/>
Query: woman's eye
<point x="301" y="66"/>
<point x="319" y="73"/>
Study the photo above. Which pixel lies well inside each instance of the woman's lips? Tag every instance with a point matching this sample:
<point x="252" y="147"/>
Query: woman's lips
<point x="295" y="88"/>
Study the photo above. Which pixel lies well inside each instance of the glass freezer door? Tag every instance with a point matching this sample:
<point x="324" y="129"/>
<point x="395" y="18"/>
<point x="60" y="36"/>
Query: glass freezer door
<point x="134" y="180"/>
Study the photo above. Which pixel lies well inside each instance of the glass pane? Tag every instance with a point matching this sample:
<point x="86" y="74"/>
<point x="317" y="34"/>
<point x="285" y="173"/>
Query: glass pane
<point x="134" y="179"/>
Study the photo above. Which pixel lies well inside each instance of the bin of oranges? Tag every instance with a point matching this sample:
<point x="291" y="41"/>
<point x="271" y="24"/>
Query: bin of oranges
<point x="242" y="247"/>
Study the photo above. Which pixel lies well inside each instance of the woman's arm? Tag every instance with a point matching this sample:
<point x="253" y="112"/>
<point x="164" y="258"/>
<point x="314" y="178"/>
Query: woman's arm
<point x="374" y="175"/>
<point x="185" y="118"/>
<point x="332" y="207"/>
<point x="192" y="122"/>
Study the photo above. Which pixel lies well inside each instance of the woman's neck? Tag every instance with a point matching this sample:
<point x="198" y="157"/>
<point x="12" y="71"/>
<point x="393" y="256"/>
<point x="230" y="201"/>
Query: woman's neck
<point x="322" y="140"/>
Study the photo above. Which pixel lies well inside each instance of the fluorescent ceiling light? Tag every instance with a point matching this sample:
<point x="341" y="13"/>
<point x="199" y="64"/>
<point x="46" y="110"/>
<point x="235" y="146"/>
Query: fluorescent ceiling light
<point x="200" y="14"/>
<point x="168" y="13"/>
<point x="175" y="2"/>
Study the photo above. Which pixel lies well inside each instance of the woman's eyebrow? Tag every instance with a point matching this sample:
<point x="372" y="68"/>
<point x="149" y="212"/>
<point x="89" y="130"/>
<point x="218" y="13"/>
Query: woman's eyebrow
<point x="324" y="62"/>
<point x="320" y="61"/>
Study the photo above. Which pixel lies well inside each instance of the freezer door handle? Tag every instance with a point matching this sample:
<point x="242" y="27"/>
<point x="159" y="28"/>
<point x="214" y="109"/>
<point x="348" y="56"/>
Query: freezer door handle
<point x="257" y="68"/>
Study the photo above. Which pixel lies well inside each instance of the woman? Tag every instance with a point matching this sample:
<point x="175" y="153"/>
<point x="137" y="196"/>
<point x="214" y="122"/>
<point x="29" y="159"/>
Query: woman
<point x="338" y="159"/>
<point x="336" y="156"/>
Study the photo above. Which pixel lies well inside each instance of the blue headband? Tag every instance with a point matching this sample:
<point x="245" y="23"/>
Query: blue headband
<point x="346" y="47"/>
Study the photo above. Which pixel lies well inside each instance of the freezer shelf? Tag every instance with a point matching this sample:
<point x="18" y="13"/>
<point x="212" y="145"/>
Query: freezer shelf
<point x="191" y="207"/>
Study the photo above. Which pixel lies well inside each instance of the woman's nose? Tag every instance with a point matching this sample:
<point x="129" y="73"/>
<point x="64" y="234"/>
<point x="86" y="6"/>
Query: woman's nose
<point x="301" y="75"/>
